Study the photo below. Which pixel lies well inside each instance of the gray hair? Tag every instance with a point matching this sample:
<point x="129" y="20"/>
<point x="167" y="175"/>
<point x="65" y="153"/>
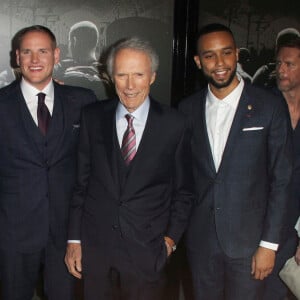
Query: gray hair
<point x="133" y="43"/>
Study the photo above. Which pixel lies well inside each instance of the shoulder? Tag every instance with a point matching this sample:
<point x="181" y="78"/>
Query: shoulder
<point x="189" y="103"/>
<point x="266" y="96"/>
<point x="9" y="90"/>
<point x="168" y="118"/>
<point x="74" y="91"/>
<point x="100" y="107"/>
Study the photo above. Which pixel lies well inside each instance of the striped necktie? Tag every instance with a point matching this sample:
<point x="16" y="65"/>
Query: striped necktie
<point x="128" y="148"/>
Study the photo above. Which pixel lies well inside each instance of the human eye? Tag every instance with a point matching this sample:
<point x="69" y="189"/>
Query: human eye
<point x="139" y="75"/>
<point x="120" y="75"/>
<point x="290" y="64"/>
<point x="228" y="52"/>
<point x="208" y="56"/>
<point x="25" y="51"/>
<point x="43" y="51"/>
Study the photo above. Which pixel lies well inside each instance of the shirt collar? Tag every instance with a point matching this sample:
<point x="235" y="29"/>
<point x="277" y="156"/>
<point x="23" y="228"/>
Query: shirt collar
<point x="29" y="92"/>
<point x="140" y="114"/>
<point x="232" y="99"/>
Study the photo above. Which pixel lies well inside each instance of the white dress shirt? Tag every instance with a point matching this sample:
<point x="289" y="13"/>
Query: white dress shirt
<point x="30" y="95"/>
<point x="297" y="226"/>
<point x="219" y="116"/>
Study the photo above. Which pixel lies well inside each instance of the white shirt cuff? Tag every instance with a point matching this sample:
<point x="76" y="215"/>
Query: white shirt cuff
<point x="74" y="241"/>
<point x="297" y="226"/>
<point x="269" y="245"/>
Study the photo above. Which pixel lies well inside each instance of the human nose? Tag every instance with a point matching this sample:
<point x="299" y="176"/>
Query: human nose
<point x="130" y="82"/>
<point x="34" y="57"/>
<point x="280" y="68"/>
<point x="219" y="60"/>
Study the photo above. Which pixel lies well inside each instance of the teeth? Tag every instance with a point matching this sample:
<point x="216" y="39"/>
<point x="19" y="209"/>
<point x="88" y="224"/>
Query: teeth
<point x="130" y="95"/>
<point x="35" y="68"/>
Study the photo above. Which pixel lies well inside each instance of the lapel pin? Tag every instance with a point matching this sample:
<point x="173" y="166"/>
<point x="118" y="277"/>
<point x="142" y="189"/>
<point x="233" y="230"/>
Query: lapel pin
<point x="249" y="107"/>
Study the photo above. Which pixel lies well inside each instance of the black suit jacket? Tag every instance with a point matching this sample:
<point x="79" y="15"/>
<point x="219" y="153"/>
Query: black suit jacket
<point x="248" y="196"/>
<point x="156" y="198"/>
<point x="36" y="179"/>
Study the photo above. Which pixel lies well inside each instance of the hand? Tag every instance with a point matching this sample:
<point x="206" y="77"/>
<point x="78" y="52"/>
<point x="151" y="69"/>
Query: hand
<point x="262" y="263"/>
<point x="297" y="256"/>
<point x="73" y="259"/>
<point x="169" y="245"/>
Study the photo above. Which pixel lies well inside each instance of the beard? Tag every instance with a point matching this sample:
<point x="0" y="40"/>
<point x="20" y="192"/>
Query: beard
<point x="220" y="85"/>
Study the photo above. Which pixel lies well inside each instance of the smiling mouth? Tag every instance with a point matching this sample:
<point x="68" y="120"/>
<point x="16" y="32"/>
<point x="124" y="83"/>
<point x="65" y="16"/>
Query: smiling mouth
<point x="35" y="68"/>
<point x="131" y="95"/>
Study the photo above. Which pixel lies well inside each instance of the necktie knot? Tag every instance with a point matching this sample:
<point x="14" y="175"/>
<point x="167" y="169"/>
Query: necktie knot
<point x="41" y="98"/>
<point x="129" y="119"/>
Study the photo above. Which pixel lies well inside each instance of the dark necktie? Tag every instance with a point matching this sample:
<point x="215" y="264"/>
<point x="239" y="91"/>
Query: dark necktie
<point x="43" y="114"/>
<point x="128" y="148"/>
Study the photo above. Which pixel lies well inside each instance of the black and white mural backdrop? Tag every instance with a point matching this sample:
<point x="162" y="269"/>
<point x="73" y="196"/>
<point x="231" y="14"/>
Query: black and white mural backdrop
<point x="84" y="30"/>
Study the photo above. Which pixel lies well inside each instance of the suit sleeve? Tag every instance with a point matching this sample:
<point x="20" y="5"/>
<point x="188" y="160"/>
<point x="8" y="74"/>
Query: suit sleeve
<point x="83" y="172"/>
<point x="280" y="170"/>
<point x="183" y="192"/>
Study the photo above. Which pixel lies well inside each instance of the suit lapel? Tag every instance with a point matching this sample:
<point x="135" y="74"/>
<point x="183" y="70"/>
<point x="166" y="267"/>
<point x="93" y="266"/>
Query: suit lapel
<point x="150" y="135"/>
<point x="236" y="128"/>
<point x="108" y="127"/>
<point x="201" y="128"/>
<point x="31" y="131"/>
<point x="60" y="117"/>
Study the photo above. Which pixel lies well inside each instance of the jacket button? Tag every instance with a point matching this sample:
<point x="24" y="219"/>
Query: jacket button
<point x="115" y="227"/>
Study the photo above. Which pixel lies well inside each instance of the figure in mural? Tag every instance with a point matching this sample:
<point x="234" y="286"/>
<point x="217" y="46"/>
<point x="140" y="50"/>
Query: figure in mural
<point x="83" y="68"/>
<point x="243" y="63"/>
<point x="288" y="83"/>
<point x="39" y="121"/>
<point x="135" y="188"/>
<point x="242" y="161"/>
<point x="266" y="74"/>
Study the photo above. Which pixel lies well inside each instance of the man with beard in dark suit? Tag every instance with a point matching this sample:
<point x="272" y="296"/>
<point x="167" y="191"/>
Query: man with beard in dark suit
<point x="242" y="166"/>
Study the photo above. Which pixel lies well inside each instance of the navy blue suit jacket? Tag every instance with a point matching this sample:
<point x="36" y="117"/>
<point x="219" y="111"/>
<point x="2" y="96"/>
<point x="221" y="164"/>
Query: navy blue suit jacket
<point x="248" y="195"/>
<point x="35" y="191"/>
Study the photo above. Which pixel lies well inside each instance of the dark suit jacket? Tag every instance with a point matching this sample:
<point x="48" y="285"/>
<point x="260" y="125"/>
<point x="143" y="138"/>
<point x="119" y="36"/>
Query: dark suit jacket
<point x="156" y="198"/>
<point x="37" y="174"/>
<point x="248" y="196"/>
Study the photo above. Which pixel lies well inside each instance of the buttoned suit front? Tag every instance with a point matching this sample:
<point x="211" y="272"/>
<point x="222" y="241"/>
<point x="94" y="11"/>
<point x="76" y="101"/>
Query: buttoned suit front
<point x="130" y="208"/>
<point x="37" y="176"/>
<point x="245" y="201"/>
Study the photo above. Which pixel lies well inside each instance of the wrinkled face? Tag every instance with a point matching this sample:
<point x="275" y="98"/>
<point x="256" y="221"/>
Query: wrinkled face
<point x="132" y="76"/>
<point x="36" y="58"/>
<point x="288" y="69"/>
<point x="217" y="57"/>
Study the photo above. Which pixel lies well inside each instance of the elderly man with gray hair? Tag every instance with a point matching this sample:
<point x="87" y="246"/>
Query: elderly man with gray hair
<point x="134" y="191"/>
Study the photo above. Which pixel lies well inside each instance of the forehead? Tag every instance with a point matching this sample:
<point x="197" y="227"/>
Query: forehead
<point x="35" y="37"/>
<point x="128" y="57"/>
<point x="289" y="52"/>
<point x="215" y="41"/>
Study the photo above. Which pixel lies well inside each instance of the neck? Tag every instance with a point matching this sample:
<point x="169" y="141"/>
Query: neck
<point x="223" y="92"/>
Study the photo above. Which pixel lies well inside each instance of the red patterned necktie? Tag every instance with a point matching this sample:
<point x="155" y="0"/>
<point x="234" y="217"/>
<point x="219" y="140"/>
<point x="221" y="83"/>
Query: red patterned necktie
<point x="43" y="114"/>
<point x="128" y="148"/>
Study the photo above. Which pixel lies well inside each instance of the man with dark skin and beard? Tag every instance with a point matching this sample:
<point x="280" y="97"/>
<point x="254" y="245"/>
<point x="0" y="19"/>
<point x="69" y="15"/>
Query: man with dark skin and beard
<point x="242" y="167"/>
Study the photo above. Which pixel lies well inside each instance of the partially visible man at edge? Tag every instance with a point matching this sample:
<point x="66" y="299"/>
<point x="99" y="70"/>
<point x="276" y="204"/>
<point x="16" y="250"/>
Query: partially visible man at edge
<point x="133" y="195"/>
<point x="39" y="121"/>
<point x="242" y="166"/>
<point x="288" y="84"/>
